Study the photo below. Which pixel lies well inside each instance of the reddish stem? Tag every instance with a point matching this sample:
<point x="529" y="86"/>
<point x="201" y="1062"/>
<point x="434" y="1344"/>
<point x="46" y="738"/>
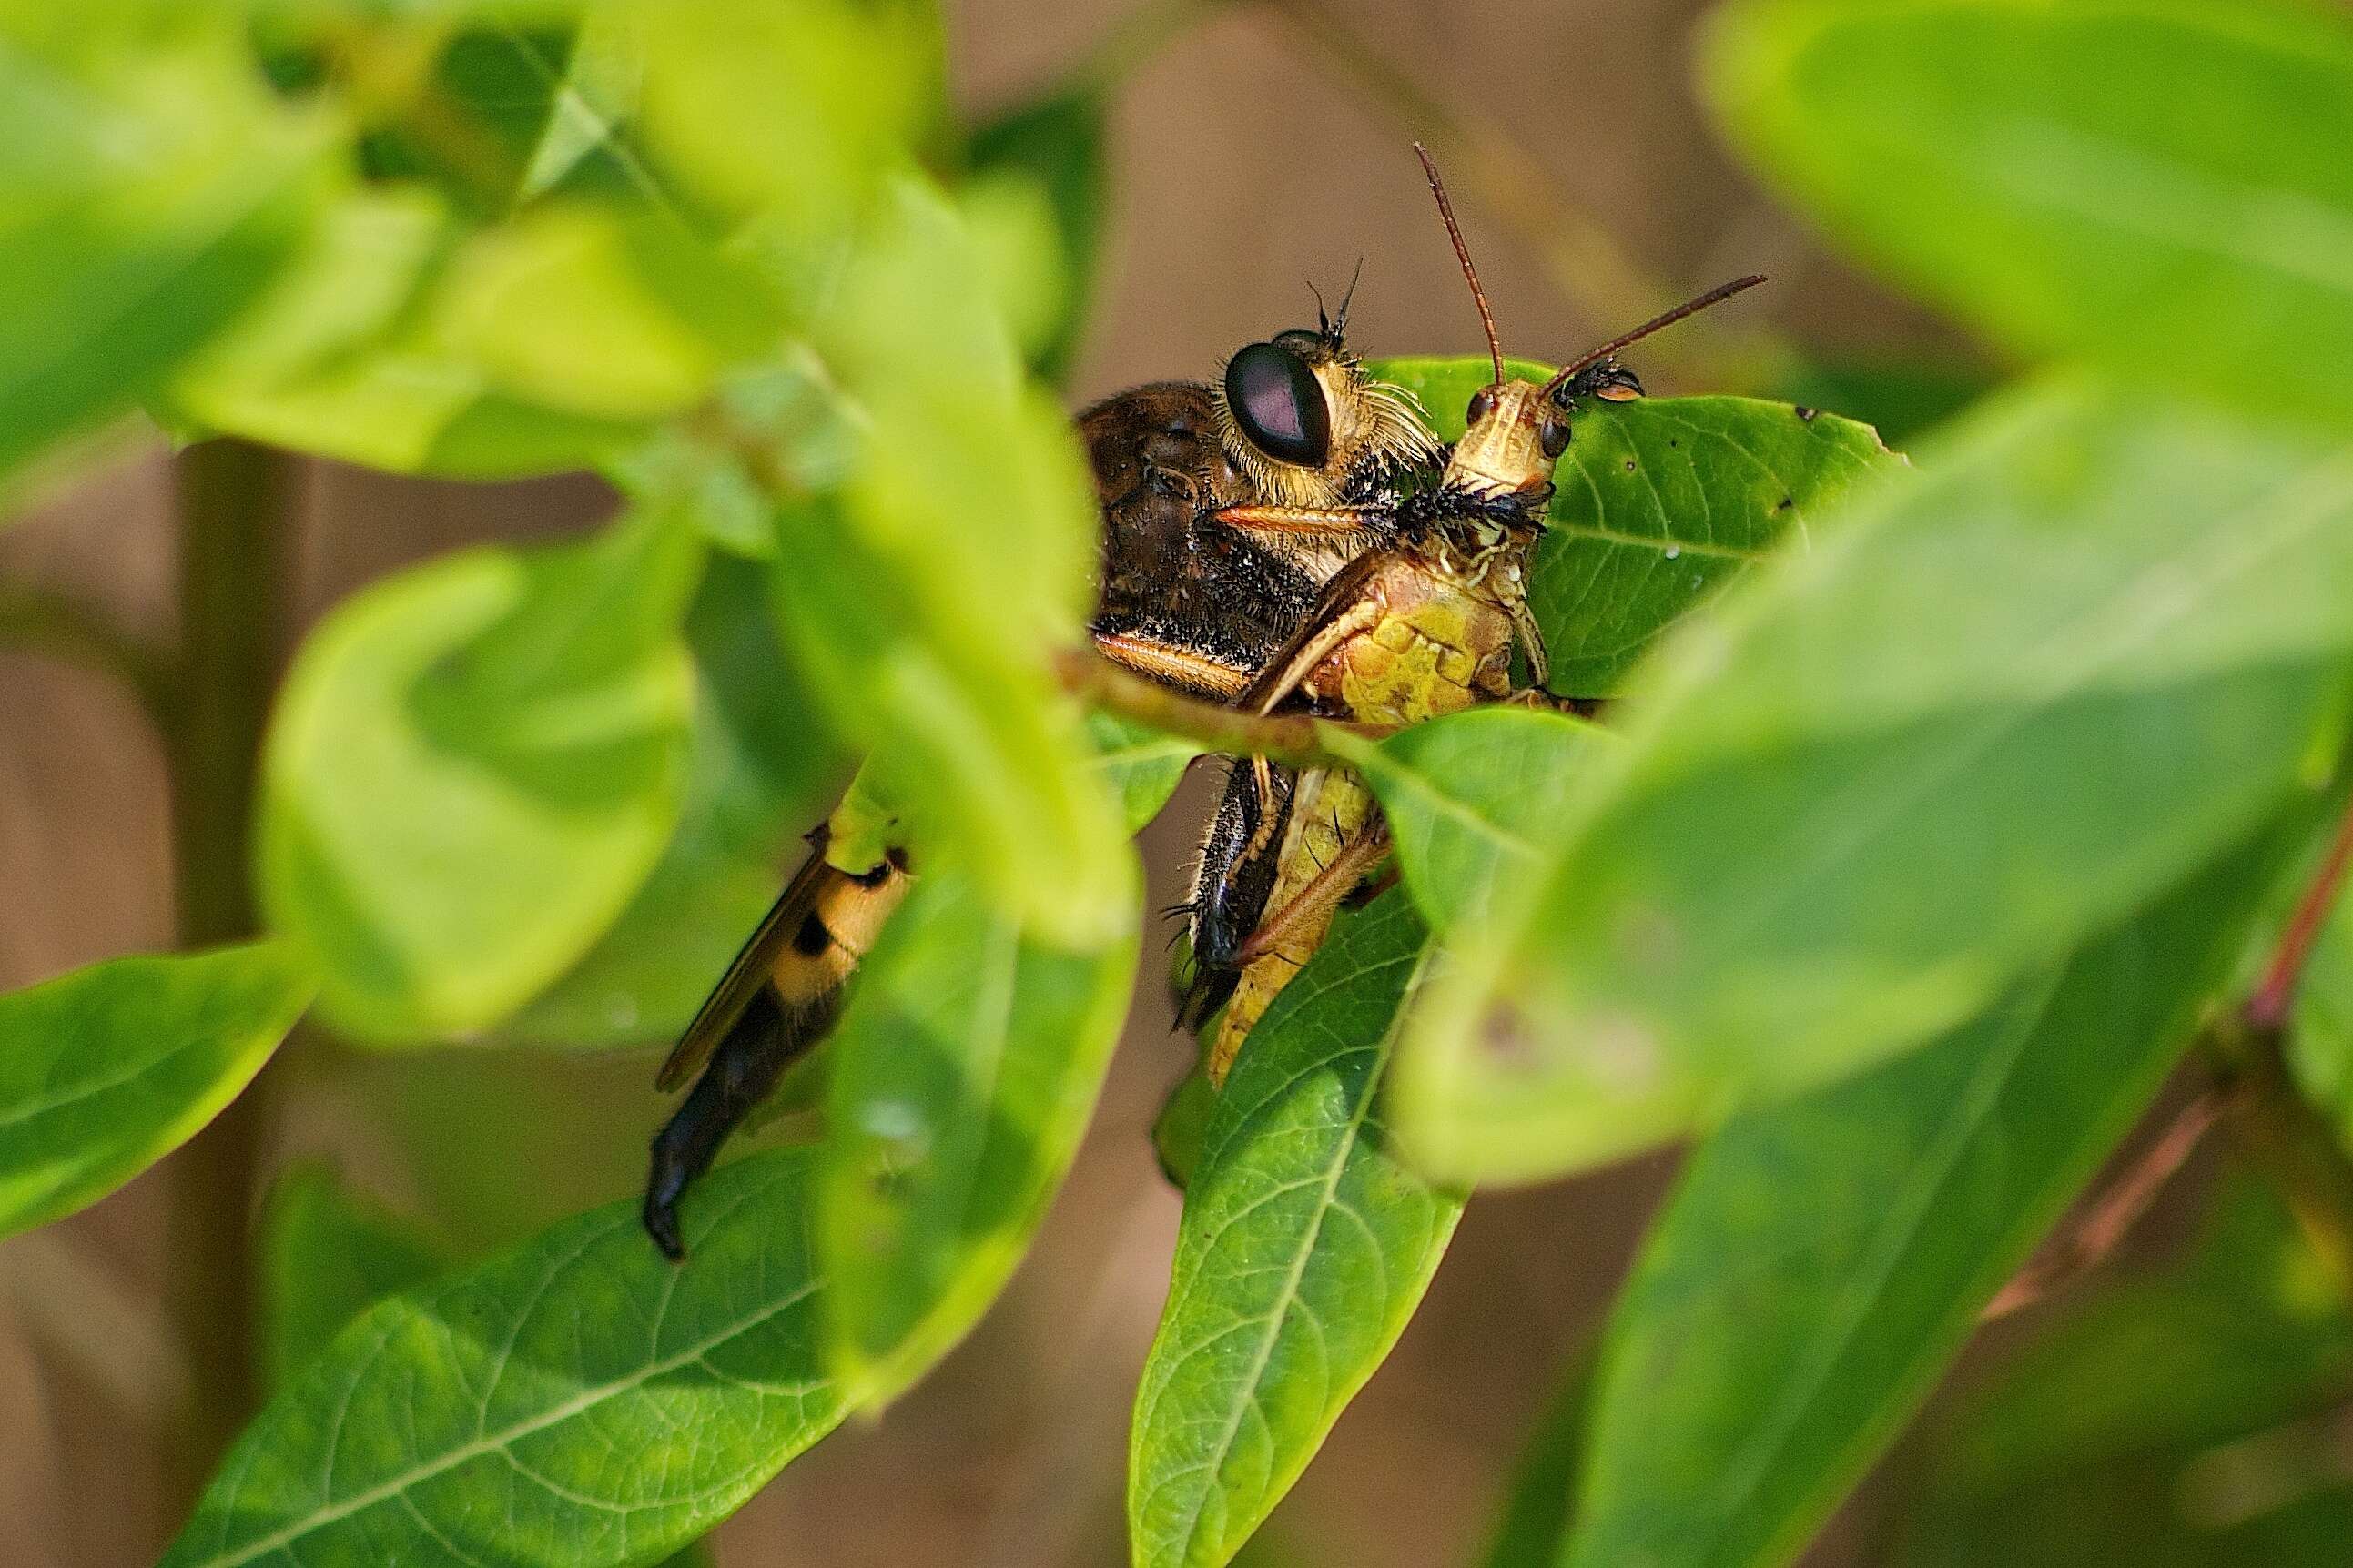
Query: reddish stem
<point x="2112" y="1214"/>
<point x="2267" y="1009"/>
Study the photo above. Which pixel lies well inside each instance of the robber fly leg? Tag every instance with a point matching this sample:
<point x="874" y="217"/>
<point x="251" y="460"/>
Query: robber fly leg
<point x="1231" y="884"/>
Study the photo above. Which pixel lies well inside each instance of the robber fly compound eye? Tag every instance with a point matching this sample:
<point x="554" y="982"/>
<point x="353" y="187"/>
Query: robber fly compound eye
<point x="1278" y="405"/>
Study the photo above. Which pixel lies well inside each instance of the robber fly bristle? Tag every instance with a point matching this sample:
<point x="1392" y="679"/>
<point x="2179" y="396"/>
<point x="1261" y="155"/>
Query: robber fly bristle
<point x="1715" y="296"/>
<point x="1462" y="254"/>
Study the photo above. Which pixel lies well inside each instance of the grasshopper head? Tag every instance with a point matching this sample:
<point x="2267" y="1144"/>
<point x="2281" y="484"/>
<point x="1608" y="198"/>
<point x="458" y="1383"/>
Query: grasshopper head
<point x="1518" y="430"/>
<point x="1517" y="433"/>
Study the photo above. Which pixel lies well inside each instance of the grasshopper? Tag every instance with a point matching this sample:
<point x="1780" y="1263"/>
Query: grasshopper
<point x="1195" y="590"/>
<point x="1421" y="626"/>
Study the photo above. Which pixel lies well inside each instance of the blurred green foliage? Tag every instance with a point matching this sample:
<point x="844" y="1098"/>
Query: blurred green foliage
<point x="109" y="1068"/>
<point x="1939" y="804"/>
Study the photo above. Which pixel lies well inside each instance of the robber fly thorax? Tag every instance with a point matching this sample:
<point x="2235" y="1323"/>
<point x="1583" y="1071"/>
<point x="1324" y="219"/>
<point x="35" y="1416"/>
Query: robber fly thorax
<point x="1415" y="630"/>
<point x="1184" y="596"/>
<point x="1200" y="579"/>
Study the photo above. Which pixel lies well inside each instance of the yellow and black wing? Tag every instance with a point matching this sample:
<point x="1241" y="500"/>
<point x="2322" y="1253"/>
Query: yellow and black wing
<point x="804" y="947"/>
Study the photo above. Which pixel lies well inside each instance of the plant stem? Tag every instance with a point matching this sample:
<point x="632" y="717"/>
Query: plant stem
<point x="1293" y="740"/>
<point x="2294" y="1145"/>
<point x="1580" y="257"/>
<point x="2287" y="1140"/>
<point x="2268" y="1008"/>
<point x="54" y="627"/>
<point x="1139" y="35"/>
<point x="2112" y="1213"/>
<point x="235" y="503"/>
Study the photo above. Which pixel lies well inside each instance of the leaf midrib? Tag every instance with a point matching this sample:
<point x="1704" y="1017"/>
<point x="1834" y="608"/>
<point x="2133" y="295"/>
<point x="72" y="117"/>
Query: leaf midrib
<point x="1288" y="1297"/>
<point x="1911" y="1204"/>
<point x="397" y="1486"/>
<point x="2241" y="545"/>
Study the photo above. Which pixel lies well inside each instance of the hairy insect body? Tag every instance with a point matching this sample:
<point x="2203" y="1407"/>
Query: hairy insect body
<point x="1419" y="632"/>
<point x="1417" y="629"/>
<point x="1331" y="811"/>
<point x="1184" y="596"/>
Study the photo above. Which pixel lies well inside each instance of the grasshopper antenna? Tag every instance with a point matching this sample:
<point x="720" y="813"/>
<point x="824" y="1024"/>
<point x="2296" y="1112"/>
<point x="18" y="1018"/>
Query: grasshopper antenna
<point x="1462" y="254"/>
<point x="1340" y="322"/>
<point x="1715" y="296"/>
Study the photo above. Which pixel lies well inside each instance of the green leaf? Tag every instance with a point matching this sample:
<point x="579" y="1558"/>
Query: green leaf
<point x="1659" y="504"/>
<point x="473" y="767"/>
<point x="1304" y="1248"/>
<point x="507" y="108"/>
<point x="1990" y="714"/>
<point x="147" y="195"/>
<point x="1183" y="1124"/>
<point x="864" y="827"/>
<point x="761" y="771"/>
<point x="1663" y="503"/>
<point x="106" y="1070"/>
<point x="922" y="594"/>
<point x="1057" y="141"/>
<point x="577" y="1400"/>
<point x="965" y="1066"/>
<point x="789" y="112"/>
<point x="1541" y="1505"/>
<point x="570" y="309"/>
<point x="1822" y="1260"/>
<point x="1470" y="798"/>
<point x="1141" y="765"/>
<point x="1901" y="398"/>
<point x="589" y="106"/>
<point x="328" y="1254"/>
<point x="2074" y="1453"/>
<point x="2154" y="185"/>
<point x="546" y="342"/>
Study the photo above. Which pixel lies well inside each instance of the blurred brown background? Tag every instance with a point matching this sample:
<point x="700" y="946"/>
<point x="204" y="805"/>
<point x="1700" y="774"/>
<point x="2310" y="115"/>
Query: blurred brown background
<point x="1250" y="159"/>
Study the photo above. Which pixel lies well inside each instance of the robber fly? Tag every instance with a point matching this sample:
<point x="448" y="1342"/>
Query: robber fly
<point x="1421" y="626"/>
<point x="1184" y="597"/>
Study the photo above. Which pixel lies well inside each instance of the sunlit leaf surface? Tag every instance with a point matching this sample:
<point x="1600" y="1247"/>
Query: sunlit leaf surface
<point x="577" y="1401"/>
<point x="1822" y="1260"/>
<point x="2091" y="644"/>
<point x="107" y="1069"/>
<point x="761" y="771"/>
<point x="473" y="767"/>
<point x="1304" y="1247"/>
<point x="923" y="593"/>
<point x="1469" y="799"/>
<point x="1057" y="142"/>
<point x="2146" y="184"/>
<point x="146" y="197"/>
<point x="965" y="1069"/>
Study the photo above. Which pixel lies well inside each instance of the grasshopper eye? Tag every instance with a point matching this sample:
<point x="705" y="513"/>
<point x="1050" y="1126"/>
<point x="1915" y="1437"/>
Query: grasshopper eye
<point x="1278" y="405"/>
<point x="1482" y="403"/>
<point x="1553" y="436"/>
